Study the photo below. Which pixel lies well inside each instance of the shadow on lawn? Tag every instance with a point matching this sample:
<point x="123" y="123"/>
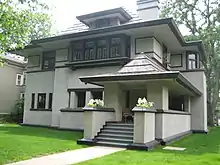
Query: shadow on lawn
<point x="41" y="132"/>
<point x="197" y="144"/>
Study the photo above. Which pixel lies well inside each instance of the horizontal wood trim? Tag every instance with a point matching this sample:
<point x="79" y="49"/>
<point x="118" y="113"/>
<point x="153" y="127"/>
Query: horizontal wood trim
<point x="96" y="109"/>
<point x="172" y="112"/>
<point x="85" y="89"/>
<point x="72" y="110"/>
<point x="41" y="110"/>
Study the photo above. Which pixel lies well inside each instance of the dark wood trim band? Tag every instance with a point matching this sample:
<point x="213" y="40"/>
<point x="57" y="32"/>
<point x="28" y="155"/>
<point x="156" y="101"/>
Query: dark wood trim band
<point x="176" y="137"/>
<point x="41" y="110"/>
<point x="72" y="110"/>
<point x="96" y="109"/>
<point x="61" y="61"/>
<point x="200" y="131"/>
<point x="172" y="112"/>
<point x="193" y="70"/>
<point x="85" y="89"/>
<point x="146" y="8"/>
<point x="37" y="71"/>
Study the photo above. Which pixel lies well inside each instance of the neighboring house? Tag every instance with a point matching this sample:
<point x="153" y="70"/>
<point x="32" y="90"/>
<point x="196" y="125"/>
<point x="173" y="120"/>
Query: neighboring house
<point x="12" y="81"/>
<point x="118" y="57"/>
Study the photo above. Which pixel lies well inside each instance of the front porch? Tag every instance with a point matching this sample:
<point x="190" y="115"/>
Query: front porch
<point x="170" y="118"/>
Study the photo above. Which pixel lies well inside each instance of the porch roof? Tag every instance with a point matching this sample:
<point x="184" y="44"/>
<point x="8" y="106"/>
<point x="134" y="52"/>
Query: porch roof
<point x="142" y="67"/>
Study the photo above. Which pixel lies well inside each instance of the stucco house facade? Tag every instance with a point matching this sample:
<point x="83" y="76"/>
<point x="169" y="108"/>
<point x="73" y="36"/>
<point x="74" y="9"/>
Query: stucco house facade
<point x="12" y="83"/>
<point x="118" y="57"/>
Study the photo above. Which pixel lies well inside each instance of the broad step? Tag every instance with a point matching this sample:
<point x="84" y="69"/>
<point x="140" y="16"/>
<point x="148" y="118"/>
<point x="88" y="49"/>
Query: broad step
<point x="117" y="132"/>
<point x="109" y="139"/>
<point x="115" y="135"/>
<point x="120" y="124"/>
<point x="111" y="144"/>
<point x="119" y="128"/>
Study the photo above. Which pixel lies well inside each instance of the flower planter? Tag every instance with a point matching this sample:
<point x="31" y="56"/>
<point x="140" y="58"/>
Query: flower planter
<point x="142" y="109"/>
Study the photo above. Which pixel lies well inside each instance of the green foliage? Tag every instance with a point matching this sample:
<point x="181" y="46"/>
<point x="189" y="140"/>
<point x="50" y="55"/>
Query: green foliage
<point x="202" y="19"/>
<point x="143" y="103"/>
<point x="22" y="21"/>
<point x="96" y="103"/>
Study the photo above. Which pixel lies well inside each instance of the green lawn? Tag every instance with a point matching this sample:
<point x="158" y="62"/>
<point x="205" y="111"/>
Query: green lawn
<point x="22" y="142"/>
<point x="201" y="150"/>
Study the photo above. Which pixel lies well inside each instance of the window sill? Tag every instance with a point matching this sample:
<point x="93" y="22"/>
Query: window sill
<point x="41" y="109"/>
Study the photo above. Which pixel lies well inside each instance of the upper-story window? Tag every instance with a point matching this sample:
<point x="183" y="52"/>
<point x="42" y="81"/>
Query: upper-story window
<point x="90" y="50"/>
<point x="192" y="60"/>
<point x="115" y="47"/>
<point x="102" y="52"/>
<point x="48" y="60"/>
<point x="77" y="51"/>
<point x="102" y="23"/>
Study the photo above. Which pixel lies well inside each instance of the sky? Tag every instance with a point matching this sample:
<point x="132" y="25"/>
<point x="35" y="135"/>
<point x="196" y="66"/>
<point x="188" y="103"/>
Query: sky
<point x="64" y="12"/>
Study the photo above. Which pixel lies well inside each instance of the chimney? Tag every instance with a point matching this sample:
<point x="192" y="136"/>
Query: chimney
<point x="148" y="9"/>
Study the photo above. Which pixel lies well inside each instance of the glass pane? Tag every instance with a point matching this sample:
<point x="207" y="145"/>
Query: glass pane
<point x="99" y="53"/>
<point x="116" y="41"/>
<point x="101" y="43"/>
<point x="41" y="101"/>
<point x="192" y="57"/>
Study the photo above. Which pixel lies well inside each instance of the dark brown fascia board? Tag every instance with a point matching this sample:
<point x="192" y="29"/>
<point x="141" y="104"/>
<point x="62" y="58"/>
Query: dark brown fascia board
<point x="169" y="21"/>
<point x="129" y="77"/>
<point x="173" y="26"/>
<point x="184" y="82"/>
<point x="105" y="30"/>
<point x="172" y="75"/>
<point x="120" y="10"/>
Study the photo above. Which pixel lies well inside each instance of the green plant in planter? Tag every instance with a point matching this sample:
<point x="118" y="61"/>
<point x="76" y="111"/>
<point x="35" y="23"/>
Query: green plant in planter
<point x="96" y="103"/>
<point x="143" y="103"/>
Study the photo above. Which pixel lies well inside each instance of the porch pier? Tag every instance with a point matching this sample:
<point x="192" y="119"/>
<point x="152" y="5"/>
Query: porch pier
<point x="114" y="98"/>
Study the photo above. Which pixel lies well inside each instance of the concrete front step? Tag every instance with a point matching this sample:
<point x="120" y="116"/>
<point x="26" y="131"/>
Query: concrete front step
<point x="117" y="132"/>
<point x="112" y="144"/>
<point x="118" y="140"/>
<point x="120" y="125"/>
<point x="116" y="136"/>
<point x="119" y="128"/>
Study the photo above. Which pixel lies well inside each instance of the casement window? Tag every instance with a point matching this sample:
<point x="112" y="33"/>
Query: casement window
<point x="102" y="52"/>
<point x="90" y="50"/>
<point x="32" y="100"/>
<point x="192" y="60"/>
<point x="41" y="101"/>
<point x="102" y="23"/>
<point x="97" y="95"/>
<point x="77" y="51"/>
<point x="19" y="81"/>
<point x="115" y="47"/>
<point x="22" y="95"/>
<point x="48" y="60"/>
<point x="81" y="99"/>
<point x="50" y="100"/>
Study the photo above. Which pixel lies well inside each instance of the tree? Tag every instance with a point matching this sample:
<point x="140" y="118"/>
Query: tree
<point x="22" y="21"/>
<point x="202" y="19"/>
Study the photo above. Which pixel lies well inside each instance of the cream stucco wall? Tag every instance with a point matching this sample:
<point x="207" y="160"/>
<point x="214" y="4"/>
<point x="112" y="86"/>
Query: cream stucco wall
<point x="38" y="118"/>
<point x="41" y="82"/>
<point x="144" y="127"/>
<point x="71" y="120"/>
<point x="198" y="104"/>
<point x="9" y="92"/>
<point x="112" y="98"/>
<point x="168" y="125"/>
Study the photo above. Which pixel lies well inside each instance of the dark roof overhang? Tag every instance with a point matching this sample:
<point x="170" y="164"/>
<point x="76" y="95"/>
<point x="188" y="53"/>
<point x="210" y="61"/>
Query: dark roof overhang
<point x="169" y="21"/>
<point x="124" y="14"/>
<point x="176" y="75"/>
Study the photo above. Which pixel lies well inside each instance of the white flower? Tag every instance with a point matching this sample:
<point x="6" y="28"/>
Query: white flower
<point x="139" y="101"/>
<point x="91" y="101"/>
<point x="144" y="100"/>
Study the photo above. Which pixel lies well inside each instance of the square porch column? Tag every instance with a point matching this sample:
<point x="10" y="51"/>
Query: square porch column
<point x="88" y="96"/>
<point x="112" y="99"/>
<point x="187" y="104"/>
<point x="73" y="100"/>
<point x="159" y="95"/>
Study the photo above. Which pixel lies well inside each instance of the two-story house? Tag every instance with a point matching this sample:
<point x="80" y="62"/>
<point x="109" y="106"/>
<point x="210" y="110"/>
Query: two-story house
<point x="12" y="83"/>
<point x="118" y="57"/>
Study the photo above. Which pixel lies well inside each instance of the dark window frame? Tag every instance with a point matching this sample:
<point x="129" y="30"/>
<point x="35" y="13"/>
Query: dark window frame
<point x="32" y="100"/>
<point x="102" y="47"/>
<point x="49" y="55"/>
<point x="191" y="62"/>
<point x="43" y="106"/>
<point x="123" y="47"/>
<point x="81" y="102"/>
<point x="89" y="49"/>
<point x="50" y="101"/>
<point x="115" y="47"/>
